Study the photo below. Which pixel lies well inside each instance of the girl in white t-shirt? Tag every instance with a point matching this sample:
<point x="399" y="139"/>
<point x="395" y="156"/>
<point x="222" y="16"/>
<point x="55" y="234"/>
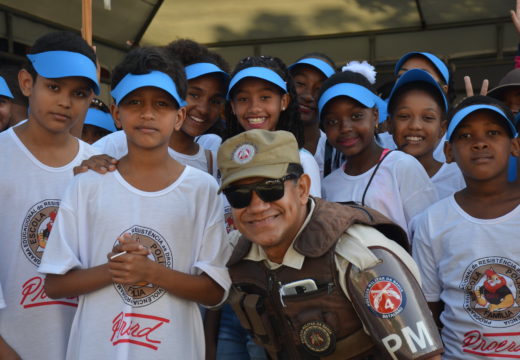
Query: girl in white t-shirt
<point x="466" y="244"/>
<point x="207" y="75"/>
<point x="262" y="95"/>
<point x="417" y="121"/>
<point x="391" y="182"/>
<point x="309" y="72"/>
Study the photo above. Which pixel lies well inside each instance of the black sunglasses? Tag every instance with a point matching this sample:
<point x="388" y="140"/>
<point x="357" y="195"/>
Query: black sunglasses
<point x="239" y="196"/>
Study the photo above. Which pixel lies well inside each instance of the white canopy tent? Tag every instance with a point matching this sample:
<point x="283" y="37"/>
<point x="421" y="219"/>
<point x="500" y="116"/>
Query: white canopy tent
<point x="475" y="37"/>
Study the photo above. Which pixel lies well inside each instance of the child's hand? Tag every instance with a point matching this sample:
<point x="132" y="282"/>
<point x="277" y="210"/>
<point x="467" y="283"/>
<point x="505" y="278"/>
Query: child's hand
<point x="469" y="87"/>
<point x="130" y="269"/>
<point x="129" y="262"/>
<point x="515" y="17"/>
<point x="127" y="245"/>
<point x="99" y="163"/>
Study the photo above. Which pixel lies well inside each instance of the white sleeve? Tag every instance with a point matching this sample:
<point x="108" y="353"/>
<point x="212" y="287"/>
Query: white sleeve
<point x="416" y="189"/>
<point x="423" y="254"/>
<point x="2" y="301"/>
<point x="311" y="168"/>
<point x="114" y="145"/>
<point x="62" y="249"/>
<point x="215" y="249"/>
<point x="352" y="248"/>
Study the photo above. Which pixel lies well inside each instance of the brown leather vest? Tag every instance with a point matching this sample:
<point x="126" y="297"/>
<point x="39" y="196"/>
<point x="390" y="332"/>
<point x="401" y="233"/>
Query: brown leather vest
<point x="308" y="325"/>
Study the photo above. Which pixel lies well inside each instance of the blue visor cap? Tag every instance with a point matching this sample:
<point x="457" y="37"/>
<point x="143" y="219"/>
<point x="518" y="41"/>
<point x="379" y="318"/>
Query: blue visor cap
<point x="200" y="69"/>
<point x="100" y="119"/>
<point x="321" y="65"/>
<point x="417" y="75"/>
<point x="438" y="63"/>
<point x="154" y="78"/>
<point x="259" y="73"/>
<point x="60" y="64"/>
<point x="4" y="89"/>
<point x="461" y="115"/>
<point x="382" y="107"/>
<point x="357" y="92"/>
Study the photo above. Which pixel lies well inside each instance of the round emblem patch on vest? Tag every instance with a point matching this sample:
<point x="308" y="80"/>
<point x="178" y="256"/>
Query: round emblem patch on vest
<point x="318" y="338"/>
<point x="385" y="297"/>
<point x="244" y="153"/>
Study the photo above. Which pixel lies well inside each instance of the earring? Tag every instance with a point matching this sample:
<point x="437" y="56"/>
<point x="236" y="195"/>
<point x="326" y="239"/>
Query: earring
<point x="283" y="109"/>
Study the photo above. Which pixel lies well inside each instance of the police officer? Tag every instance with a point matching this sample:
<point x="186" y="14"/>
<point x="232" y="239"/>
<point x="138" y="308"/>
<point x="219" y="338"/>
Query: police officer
<point x="314" y="279"/>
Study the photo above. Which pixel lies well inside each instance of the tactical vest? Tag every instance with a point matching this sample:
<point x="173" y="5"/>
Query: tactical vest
<point x="321" y="324"/>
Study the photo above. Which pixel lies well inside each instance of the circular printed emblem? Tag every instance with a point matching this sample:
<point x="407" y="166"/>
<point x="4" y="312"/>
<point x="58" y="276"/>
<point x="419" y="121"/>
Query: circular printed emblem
<point x="36" y="228"/>
<point x="143" y="293"/>
<point x="244" y="153"/>
<point x="385" y="297"/>
<point x="318" y="338"/>
<point x="491" y="288"/>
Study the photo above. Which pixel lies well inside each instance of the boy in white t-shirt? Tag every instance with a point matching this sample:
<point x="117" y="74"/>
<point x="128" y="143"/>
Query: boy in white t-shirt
<point x="465" y="245"/>
<point x="163" y="219"/>
<point x="36" y="165"/>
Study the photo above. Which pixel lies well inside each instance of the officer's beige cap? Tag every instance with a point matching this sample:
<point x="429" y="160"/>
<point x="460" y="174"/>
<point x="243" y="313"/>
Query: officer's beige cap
<point x="256" y="153"/>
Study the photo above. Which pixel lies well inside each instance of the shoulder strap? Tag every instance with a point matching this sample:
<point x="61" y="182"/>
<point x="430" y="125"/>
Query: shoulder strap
<point x="384" y="154"/>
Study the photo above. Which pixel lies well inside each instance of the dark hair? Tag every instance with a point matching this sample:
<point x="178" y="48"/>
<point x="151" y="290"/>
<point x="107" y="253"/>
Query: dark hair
<point x="345" y="77"/>
<point x="425" y="87"/>
<point x="59" y="41"/>
<point x="289" y="118"/>
<point x="191" y="52"/>
<point x="295" y="169"/>
<point x="99" y="105"/>
<point x="143" y="60"/>
<point x="10" y="75"/>
<point x="318" y="55"/>
<point x="483" y="100"/>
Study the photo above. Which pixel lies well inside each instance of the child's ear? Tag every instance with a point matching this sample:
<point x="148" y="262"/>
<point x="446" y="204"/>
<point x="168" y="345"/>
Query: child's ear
<point x="448" y="152"/>
<point x="376" y="115"/>
<point x="179" y="119"/>
<point x="286" y="99"/>
<point x="26" y="82"/>
<point x="114" y="110"/>
<point x="515" y="147"/>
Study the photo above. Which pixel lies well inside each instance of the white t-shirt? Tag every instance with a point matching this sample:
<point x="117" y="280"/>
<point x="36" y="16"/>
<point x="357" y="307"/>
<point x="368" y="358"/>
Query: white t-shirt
<point x="319" y="156"/>
<point x="31" y="323"/>
<point x="448" y="180"/>
<point x="209" y="141"/>
<point x="181" y="224"/>
<point x="310" y="167"/>
<point x="115" y="145"/>
<point x="459" y="255"/>
<point x="400" y="189"/>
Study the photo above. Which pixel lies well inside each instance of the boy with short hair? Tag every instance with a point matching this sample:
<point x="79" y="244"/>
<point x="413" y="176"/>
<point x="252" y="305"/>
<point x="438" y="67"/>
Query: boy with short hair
<point x="164" y="220"/>
<point x="465" y="244"/>
<point x="36" y="164"/>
